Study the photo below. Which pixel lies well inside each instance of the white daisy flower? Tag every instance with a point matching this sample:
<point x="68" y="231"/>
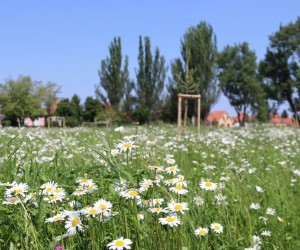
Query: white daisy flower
<point x="208" y="185"/>
<point x="120" y="244"/>
<point x="178" y="190"/>
<point x="177" y="206"/>
<point x="73" y="223"/>
<point x="103" y="205"/>
<point x="216" y="227"/>
<point x="201" y="231"/>
<point x="171" y="220"/>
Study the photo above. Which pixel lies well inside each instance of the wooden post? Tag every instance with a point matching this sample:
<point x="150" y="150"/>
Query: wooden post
<point x="198" y="118"/>
<point x="179" y="117"/>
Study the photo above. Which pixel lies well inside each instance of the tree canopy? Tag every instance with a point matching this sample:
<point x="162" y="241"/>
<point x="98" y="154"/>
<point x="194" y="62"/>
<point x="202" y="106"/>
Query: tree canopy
<point x="238" y="79"/>
<point x="280" y="69"/>
<point x="113" y="76"/>
<point x="19" y="99"/>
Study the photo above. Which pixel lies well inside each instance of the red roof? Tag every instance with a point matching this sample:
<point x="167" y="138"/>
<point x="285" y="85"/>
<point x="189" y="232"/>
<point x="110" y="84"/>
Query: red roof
<point x="215" y="116"/>
<point x="287" y="121"/>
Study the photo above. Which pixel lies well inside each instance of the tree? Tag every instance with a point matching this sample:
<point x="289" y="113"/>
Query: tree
<point x="199" y="57"/>
<point x="280" y="70"/>
<point x="150" y="76"/>
<point x="91" y="108"/>
<point x="19" y="99"/>
<point x="48" y="94"/>
<point x="284" y="114"/>
<point x="113" y="77"/>
<point x="238" y="80"/>
<point x="76" y="108"/>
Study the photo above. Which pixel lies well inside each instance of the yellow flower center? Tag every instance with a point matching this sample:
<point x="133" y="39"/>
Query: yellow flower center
<point x="18" y="191"/>
<point x="53" y="198"/>
<point x="127" y="145"/>
<point x="90" y="187"/>
<point x="170" y="219"/>
<point x="180" y="180"/>
<point x="178" y="207"/>
<point x="208" y="184"/>
<point x="49" y="189"/>
<point x="217" y="227"/>
<point x="119" y="243"/>
<point x="74" y="222"/>
<point x="145" y="202"/>
<point x="58" y="218"/>
<point x="172" y="168"/>
<point x="132" y="193"/>
<point x="158" y="209"/>
<point x="202" y="232"/>
<point x="93" y="211"/>
<point x="12" y="201"/>
<point x="157" y="200"/>
<point x="179" y="187"/>
<point x="102" y="207"/>
<point x="79" y="190"/>
<point x="58" y="190"/>
<point x="84" y="180"/>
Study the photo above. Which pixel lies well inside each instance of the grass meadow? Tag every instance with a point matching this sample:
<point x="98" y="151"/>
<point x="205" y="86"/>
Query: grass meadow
<point x="139" y="187"/>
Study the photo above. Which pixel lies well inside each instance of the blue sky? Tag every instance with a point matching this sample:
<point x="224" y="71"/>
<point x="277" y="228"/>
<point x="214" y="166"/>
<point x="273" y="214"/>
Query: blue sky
<point x="64" y="41"/>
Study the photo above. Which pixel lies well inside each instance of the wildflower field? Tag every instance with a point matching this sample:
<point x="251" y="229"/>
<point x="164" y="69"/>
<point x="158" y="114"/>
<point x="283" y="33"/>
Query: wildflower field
<point x="140" y="188"/>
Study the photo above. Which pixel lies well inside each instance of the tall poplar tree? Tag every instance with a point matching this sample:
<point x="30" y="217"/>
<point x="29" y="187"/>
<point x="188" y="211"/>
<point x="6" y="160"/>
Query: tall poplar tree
<point x="150" y="76"/>
<point x="113" y="75"/>
<point x="198" y="62"/>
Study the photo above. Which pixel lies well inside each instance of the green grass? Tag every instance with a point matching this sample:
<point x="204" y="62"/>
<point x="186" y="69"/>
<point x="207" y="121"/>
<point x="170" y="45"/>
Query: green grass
<point x="237" y="159"/>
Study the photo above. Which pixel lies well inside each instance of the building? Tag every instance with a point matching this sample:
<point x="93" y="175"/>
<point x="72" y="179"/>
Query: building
<point x="219" y="118"/>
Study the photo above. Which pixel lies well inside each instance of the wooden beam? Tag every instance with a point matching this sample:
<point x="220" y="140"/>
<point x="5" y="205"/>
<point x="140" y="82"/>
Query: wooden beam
<point x="189" y="96"/>
<point x="179" y="117"/>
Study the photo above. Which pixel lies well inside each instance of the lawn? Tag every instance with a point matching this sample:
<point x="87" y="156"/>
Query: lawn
<point x="141" y="187"/>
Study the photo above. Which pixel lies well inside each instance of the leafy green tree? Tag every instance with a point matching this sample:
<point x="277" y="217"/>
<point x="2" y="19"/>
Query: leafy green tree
<point x="280" y="70"/>
<point x="150" y="77"/>
<point x="19" y="99"/>
<point x="76" y="108"/>
<point x="113" y="76"/>
<point x="48" y="93"/>
<point x="91" y="108"/>
<point x="64" y="108"/>
<point x="284" y="114"/>
<point x="238" y="79"/>
<point x="198" y="63"/>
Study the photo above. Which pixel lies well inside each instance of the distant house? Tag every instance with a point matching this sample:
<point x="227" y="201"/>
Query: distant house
<point x="38" y="122"/>
<point x="277" y="120"/>
<point x="219" y="118"/>
<point x="41" y="121"/>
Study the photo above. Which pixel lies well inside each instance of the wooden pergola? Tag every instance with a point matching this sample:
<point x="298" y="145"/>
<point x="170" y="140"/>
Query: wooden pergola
<point x="187" y="96"/>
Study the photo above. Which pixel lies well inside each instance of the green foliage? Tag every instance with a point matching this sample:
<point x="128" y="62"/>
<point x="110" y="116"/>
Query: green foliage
<point x="19" y="99"/>
<point x="284" y="114"/>
<point x="238" y="80"/>
<point x="280" y="70"/>
<point x="71" y="110"/>
<point x="150" y="76"/>
<point x="91" y="108"/>
<point x="113" y="77"/>
<point x="48" y="94"/>
<point x="142" y="114"/>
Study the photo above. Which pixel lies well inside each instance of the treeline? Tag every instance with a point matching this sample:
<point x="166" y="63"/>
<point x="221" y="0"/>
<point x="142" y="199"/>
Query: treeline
<point x="254" y="88"/>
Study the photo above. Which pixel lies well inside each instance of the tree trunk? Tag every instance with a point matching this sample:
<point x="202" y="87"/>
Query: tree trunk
<point x="294" y="109"/>
<point x="185" y="114"/>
